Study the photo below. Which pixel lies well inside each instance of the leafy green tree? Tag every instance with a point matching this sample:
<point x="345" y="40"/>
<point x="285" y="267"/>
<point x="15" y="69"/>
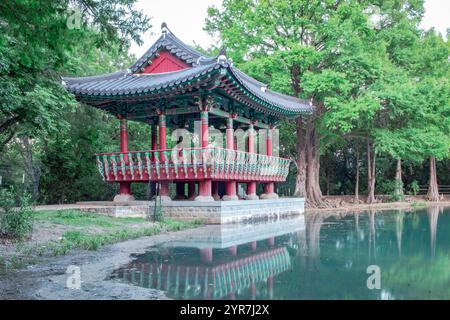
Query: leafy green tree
<point x="37" y="38"/>
<point x="325" y="51"/>
<point x="42" y="40"/>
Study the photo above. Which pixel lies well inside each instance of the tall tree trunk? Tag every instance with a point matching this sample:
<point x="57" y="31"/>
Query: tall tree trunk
<point x="33" y="169"/>
<point x="357" y="176"/>
<point x="300" y="179"/>
<point x="370" y="172"/>
<point x="433" y="187"/>
<point x="398" y="180"/>
<point x="313" y="192"/>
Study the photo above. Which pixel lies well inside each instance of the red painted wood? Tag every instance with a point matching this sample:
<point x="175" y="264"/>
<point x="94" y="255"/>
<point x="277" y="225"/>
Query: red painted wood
<point x="124" y="187"/>
<point x="269" y="142"/>
<point x="251" y="186"/>
<point x="166" y="62"/>
<point x="230" y="186"/>
<point x="233" y="250"/>
<point x="123" y="136"/>
<point x="253" y="290"/>
<point x="206" y="254"/>
<point x="189" y="177"/>
<point x="269" y="187"/>
<point x="205" y="186"/>
<point x="163" y="145"/>
<point x="270" y="286"/>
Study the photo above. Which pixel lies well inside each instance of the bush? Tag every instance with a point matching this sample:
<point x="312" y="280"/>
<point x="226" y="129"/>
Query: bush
<point x="392" y="188"/>
<point x="414" y="188"/>
<point x="397" y="194"/>
<point x="15" y="222"/>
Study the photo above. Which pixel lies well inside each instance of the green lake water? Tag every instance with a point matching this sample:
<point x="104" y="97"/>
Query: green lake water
<point x="316" y="256"/>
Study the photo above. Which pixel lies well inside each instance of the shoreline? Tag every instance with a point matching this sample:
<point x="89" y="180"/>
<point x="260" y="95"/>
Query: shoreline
<point x="380" y="206"/>
<point x="48" y="278"/>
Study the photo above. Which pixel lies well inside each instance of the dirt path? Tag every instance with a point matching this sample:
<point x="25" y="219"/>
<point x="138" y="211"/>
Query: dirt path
<point x="47" y="280"/>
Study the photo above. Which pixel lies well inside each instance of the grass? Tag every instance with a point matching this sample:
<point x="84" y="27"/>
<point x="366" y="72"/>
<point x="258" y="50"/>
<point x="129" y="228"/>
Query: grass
<point x="85" y="230"/>
<point x="82" y="219"/>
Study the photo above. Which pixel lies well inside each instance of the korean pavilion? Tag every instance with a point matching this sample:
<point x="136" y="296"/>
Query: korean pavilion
<point x="174" y="86"/>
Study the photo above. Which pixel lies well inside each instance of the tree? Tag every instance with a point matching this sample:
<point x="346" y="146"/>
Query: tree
<point x="39" y="43"/>
<point x="37" y="39"/>
<point x="324" y="51"/>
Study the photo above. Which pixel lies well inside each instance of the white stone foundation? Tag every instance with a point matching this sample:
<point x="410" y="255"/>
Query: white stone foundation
<point x="220" y="212"/>
<point x="214" y="212"/>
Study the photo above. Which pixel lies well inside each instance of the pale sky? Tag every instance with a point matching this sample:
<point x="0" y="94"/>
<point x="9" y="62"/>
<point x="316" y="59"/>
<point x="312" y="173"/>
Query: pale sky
<point x="186" y="19"/>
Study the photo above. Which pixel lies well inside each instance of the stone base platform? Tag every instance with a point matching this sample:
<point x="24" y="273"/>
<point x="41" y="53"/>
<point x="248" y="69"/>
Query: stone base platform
<point x="214" y="212"/>
<point x="220" y="212"/>
<point x="133" y="209"/>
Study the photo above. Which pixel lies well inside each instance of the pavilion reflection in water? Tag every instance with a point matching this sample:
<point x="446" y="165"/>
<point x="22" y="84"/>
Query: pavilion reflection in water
<point x="221" y="263"/>
<point x="316" y="256"/>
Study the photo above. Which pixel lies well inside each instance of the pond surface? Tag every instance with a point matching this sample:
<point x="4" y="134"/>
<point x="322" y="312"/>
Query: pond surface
<point x="316" y="256"/>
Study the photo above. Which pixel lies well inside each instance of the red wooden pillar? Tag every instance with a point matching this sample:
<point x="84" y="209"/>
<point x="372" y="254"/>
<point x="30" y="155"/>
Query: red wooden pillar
<point x="269" y="188"/>
<point x="206" y="255"/>
<point x="153" y="146"/>
<point x="270" y="286"/>
<point x="233" y="250"/>
<point x="230" y="186"/>
<point x="271" y="241"/>
<point x="124" y="186"/>
<point x="251" y="186"/>
<point x="253" y="290"/>
<point x="253" y="245"/>
<point x="204" y="186"/>
<point x="164" y="191"/>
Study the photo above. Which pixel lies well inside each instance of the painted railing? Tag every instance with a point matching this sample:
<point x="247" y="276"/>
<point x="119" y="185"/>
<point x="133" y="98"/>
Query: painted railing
<point x="191" y="164"/>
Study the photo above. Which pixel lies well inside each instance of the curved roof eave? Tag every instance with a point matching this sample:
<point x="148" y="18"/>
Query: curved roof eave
<point x="126" y="82"/>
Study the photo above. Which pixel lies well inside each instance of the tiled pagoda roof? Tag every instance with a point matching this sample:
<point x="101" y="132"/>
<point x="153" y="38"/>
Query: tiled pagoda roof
<point x="134" y="83"/>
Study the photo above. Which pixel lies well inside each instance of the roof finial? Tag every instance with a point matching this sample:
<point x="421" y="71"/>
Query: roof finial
<point x="222" y="57"/>
<point x="164" y="28"/>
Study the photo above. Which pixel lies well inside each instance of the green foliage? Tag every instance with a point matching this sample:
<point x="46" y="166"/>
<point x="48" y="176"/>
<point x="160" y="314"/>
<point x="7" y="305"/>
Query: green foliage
<point x="85" y="230"/>
<point x="15" y="222"/>
<point x="36" y="47"/>
<point x="414" y="188"/>
<point x="370" y="70"/>
<point x="397" y="194"/>
<point x="372" y="73"/>
<point x="90" y="241"/>
<point x="78" y="218"/>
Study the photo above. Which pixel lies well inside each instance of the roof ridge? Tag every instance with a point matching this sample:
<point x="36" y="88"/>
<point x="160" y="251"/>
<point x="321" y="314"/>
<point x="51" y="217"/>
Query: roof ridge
<point x="181" y="50"/>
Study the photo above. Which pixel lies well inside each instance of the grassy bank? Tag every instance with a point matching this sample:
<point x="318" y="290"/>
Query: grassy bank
<point x="56" y="232"/>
